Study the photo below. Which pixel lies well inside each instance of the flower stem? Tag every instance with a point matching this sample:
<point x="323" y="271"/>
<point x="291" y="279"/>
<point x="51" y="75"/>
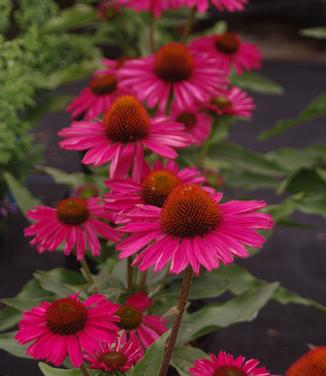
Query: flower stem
<point x="87" y="271"/>
<point x="181" y="306"/>
<point x="129" y="273"/>
<point x="143" y="280"/>
<point x="84" y="370"/>
<point x="190" y="23"/>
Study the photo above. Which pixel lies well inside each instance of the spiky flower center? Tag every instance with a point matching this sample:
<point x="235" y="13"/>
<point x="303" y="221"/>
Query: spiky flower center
<point x="227" y="43"/>
<point x="311" y="364"/>
<point x="72" y="211"/>
<point x="130" y="317"/>
<point x="103" y="84"/>
<point x="157" y="186"/>
<point x="113" y="359"/>
<point x="66" y="316"/>
<point x="188" y="119"/>
<point x="221" y="102"/>
<point x="126" y="120"/>
<point x="189" y="211"/>
<point x="173" y="62"/>
<point x="229" y="371"/>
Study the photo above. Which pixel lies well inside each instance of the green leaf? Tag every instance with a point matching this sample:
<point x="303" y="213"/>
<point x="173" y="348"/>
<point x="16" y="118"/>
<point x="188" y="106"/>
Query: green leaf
<point x="313" y="205"/>
<point x="184" y="358"/>
<point x="314" y="32"/>
<point x="61" y="177"/>
<point x="315" y="109"/>
<point x="9" y="344"/>
<point x="22" y="196"/>
<point x="74" y="17"/>
<point x="244" y="159"/>
<point x="256" y="83"/>
<point x="306" y="181"/>
<point x="151" y="363"/>
<point x="51" y="371"/>
<point x="9" y="317"/>
<point x="244" y="307"/>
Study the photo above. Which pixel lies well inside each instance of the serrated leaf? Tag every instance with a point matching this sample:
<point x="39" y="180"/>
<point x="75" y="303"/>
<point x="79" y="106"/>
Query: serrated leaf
<point x="9" y="344"/>
<point x="314" y="32"/>
<point x="22" y="196"/>
<point x="256" y="83"/>
<point x="184" y="358"/>
<point x="151" y="363"/>
<point x="51" y="371"/>
<point x="315" y="109"/>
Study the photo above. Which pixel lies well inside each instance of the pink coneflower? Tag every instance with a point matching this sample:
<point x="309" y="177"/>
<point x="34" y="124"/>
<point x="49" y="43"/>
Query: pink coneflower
<point x="229" y="51"/>
<point x="154" y="188"/>
<point x="68" y="327"/>
<point x="156" y="7"/>
<point x="176" y="68"/>
<point x="136" y="324"/>
<point x="221" y="5"/>
<point x="102" y="90"/>
<point x="234" y="101"/>
<point x="121" y="137"/>
<point x="119" y="356"/>
<point x="193" y="228"/>
<point x="76" y="222"/>
<point x="197" y="124"/>
<point x="226" y="365"/>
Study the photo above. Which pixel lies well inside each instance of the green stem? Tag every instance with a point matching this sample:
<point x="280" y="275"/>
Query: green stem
<point x="143" y="281"/>
<point x="87" y="271"/>
<point x="129" y="273"/>
<point x="190" y="23"/>
<point x="181" y="306"/>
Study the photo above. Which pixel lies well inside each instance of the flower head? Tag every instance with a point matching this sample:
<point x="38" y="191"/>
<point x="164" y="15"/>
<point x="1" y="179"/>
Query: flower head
<point x="313" y="363"/>
<point x="76" y="222"/>
<point x="193" y="228"/>
<point x="221" y="5"/>
<point x="153" y="189"/>
<point x="156" y="7"/>
<point x="174" y="68"/>
<point x="229" y="51"/>
<point x="102" y="90"/>
<point x="234" y="101"/>
<point x="68" y="327"/>
<point x="136" y="324"/>
<point x="121" y="137"/>
<point x="226" y="365"/>
<point x="117" y="356"/>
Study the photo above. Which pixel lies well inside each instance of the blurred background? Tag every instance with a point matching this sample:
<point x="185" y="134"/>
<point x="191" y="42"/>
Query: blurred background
<point x="294" y="256"/>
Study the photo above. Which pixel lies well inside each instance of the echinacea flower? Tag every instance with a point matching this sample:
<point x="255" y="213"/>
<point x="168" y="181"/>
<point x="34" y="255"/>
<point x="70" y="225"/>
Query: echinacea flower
<point x="121" y="137"/>
<point x="117" y="356"/>
<point x="68" y="327"/>
<point x="76" y="222"/>
<point x="193" y="228"/>
<point x="313" y="363"/>
<point x="154" y="188"/>
<point x="136" y="324"/>
<point x="197" y="123"/>
<point x="234" y="101"/>
<point x="156" y="7"/>
<point x="229" y="51"/>
<point x="221" y="5"/>
<point x="174" y="68"/>
<point x="102" y="90"/>
<point x="226" y="365"/>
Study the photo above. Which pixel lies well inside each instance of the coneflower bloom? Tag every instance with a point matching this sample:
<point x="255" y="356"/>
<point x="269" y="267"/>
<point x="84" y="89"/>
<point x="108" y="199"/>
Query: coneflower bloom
<point x="102" y="90"/>
<point x="118" y="356"/>
<point x="136" y="324"/>
<point x="229" y="51"/>
<point x="155" y="186"/>
<point x="156" y="7"/>
<point x="75" y="222"/>
<point x="226" y="365"/>
<point x="193" y="228"/>
<point x="313" y="363"/>
<point x="68" y="327"/>
<point x="198" y="124"/>
<point x="234" y="101"/>
<point x="174" y="68"/>
<point x="121" y="137"/>
<point x="221" y="5"/>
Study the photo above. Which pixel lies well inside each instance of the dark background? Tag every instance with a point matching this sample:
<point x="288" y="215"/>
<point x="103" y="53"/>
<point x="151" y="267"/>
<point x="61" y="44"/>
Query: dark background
<point x="295" y="257"/>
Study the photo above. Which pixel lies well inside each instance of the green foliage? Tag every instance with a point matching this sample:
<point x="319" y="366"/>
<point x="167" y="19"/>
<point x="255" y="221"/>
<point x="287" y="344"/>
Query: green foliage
<point x="184" y="358"/>
<point x="9" y="344"/>
<point x="314" y="32"/>
<point x="51" y="371"/>
<point x="257" y="83"/>
<point x="5" y="9"/>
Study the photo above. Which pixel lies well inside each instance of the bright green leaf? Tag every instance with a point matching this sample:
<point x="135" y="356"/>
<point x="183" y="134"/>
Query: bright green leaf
<point x="314" y="32"/>
<point x="184" y="358"/>
<point x="51" y="371"/>
<point x="256" y="83"/>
